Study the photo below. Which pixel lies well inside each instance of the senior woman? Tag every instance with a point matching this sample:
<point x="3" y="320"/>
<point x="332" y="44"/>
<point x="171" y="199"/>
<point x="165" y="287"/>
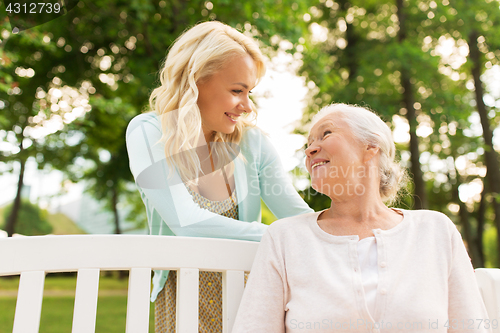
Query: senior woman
<point x="360" y="266"/>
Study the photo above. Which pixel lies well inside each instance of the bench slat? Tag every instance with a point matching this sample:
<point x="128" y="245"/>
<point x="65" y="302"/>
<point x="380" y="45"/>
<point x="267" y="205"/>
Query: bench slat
<point x="489" y="285"/>
<point x="187" y="300"/>
<point x="233" y="284"/>
<point x="84" y="312"/>
<point x="29" y="302"/>
<point x="139" y="287"/>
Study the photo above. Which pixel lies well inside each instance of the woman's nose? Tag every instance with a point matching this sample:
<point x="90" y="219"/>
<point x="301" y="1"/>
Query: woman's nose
<point x="312" y="150"/>
<point x="245" y="105"/>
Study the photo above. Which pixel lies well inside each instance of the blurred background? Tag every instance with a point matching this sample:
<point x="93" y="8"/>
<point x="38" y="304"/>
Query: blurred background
<point x="69" y="87"/>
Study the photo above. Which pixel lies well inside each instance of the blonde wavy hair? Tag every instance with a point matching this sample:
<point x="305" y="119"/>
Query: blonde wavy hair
<point x="196" y="55"/>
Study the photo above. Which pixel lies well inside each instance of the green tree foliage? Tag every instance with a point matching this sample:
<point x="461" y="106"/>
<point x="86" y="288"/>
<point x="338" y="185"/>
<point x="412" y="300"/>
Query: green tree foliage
<point x="370" y="62"/>
<point x="22" y="76"/>
<point x="108" y="52"/>
<point x="32" y="219"/>
<point x="491" y="247"/>
<point x="468" y="29"/>
<point x="388" y="55"/>
<point x="475" y="27"/>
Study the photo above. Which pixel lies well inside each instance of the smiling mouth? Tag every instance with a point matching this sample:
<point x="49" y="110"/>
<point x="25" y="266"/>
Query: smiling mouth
<point x="231" y="117"/>
<point x="317" y="164"/>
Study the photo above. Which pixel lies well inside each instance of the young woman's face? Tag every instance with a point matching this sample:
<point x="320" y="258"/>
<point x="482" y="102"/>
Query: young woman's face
<point x="224" y="96"/>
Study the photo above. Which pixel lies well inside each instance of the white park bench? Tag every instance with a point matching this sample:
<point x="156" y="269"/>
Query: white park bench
<point x="33" y="257"/>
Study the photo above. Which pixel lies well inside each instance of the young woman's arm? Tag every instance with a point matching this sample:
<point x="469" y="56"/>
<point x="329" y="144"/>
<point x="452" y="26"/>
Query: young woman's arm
<point x="167" y="198"/>
<point x="274" y="185"/>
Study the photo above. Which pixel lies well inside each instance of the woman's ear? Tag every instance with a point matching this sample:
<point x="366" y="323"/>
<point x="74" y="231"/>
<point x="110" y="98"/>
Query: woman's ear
<point x="371" y="151"/>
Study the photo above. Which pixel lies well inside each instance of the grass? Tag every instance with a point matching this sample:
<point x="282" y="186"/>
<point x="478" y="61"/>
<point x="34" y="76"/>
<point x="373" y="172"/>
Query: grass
<point x="61" y="224"/>
<point x="57" y="311"/>
<point x="67" y="282"/>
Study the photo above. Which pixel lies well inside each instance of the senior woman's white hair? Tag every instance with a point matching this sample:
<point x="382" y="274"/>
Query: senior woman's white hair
<point x="368" y="128"/>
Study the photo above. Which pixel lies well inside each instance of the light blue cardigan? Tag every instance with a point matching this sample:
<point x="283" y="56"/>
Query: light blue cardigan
<point x="171" y="209"/>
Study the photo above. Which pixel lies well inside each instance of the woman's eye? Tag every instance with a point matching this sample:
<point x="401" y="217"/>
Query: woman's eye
<point x="237" y="91"/>
<point x="325" y="133"/>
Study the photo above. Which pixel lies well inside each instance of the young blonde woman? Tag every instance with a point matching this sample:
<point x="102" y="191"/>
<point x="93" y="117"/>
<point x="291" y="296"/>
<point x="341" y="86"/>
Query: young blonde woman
<point x="200" y="166"/>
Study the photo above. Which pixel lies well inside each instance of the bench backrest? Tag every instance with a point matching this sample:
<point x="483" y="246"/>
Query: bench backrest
<point x="488" y="280"/>
<point x="33" y="257"/>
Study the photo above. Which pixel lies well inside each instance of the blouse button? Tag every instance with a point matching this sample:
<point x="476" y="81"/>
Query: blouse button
<point x="383" y="291"/>
<point x="383" y="264"/>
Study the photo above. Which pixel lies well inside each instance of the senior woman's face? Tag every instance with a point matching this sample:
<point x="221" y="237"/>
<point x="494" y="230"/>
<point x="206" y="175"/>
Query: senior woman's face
<point x="334" y="157"/>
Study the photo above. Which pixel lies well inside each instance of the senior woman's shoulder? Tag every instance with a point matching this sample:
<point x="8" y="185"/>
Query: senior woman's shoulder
<point x="293" y="224"/>
<point x="426" y="214"/>
<point x="429" y="217"/>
